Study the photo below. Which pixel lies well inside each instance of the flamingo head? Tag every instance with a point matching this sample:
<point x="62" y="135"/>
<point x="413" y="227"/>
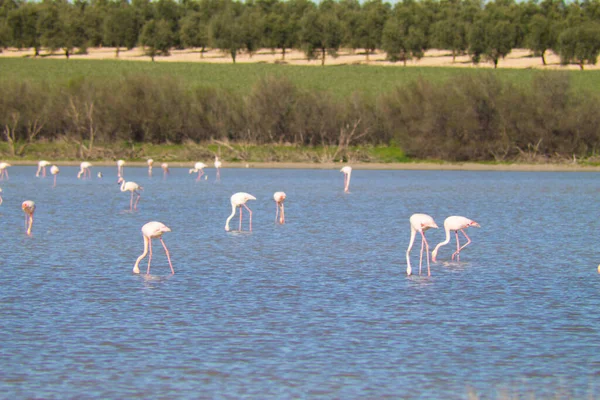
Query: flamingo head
<point x="475" y="224"/>
<point x="120" y="180"/>
<point x="434" y="254"/>
<point x="192" y="170"/>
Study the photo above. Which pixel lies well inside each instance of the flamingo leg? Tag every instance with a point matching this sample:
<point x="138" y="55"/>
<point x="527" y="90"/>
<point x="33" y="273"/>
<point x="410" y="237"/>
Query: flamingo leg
<point x="421" y="255"/>
<point x="44" y="172"/>
<point x="282" y="214"/>
<point x="1" y="200"/>
<point x="457" y="247"/>
<point x="240" y="219"/>
<point x="277" y="211"/>
<point x="168" y="255"/>
<point x="54" y="181"/>
<point x="424" y="242"/>
<point x="464" y="245"/>
<point x="137" y="200"/>
<point x="218" y="174"/>
<point x="30" y="224"/>
<point x="131" y="202"/>
<point x="149" y="255"/>
<point x="250" y="211"/>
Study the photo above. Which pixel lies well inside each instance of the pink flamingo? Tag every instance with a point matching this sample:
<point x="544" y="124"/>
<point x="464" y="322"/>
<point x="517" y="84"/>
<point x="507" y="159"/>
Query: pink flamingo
<point x="84" y="169"/>
<point x="419" y="223"/>
<point x="279" y="197"/>
<point x="199" y="168"/>
<point x="347" y="170"/>
<point x="239" y="200"/>
<point x="455" y="223"/>
<point x="3" y="170"/>
<point x="152" y="230"/>
<point x="150" y="162"/>
<point x="54" y="171"/>
<point x="28" y="207"/>
<point x="120" y="164"/>
<point x="1" y="201"/>
<point x="42" y="168"/>
<point x="165" y="168"/>
<point x="133" y="188"/>
<point x="218" y="168"/>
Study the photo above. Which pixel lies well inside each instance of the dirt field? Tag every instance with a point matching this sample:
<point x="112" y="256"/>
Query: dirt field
<point x="518" y="58"/>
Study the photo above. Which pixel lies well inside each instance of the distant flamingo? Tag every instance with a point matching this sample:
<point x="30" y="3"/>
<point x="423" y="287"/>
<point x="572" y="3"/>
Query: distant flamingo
<point x="150" y="162"/>
<point x="3" y="171"/>
<point x="1" y="196"/>
<point x="279" y="197"/>
<point x="165" y="168"/>
<point x="455" y="223"/>
<point x="419" y="223"/>
<point x="42" y="168"/>
<point x="152" y="230"/>
<point x="347" y="170"/>
<point x="218" y="168"/>
<point x="199" y="168"/>
<point x="120" y="164"/>
<point x="28" y="207"/>
<point x="133" y="188"/>
<point x="54" y="171"/>
<point x="84" y="169"/>
<point x="238" y="200"/>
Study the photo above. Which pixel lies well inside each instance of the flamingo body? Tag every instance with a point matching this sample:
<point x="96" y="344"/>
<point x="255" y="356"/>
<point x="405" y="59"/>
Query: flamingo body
<point x="133" y="188"/>
<point x="347" y="170"/>
<point x="120" y="164"/>
<point x="199" y="168"/>
<point x="42" y="168"/>
<point x="218" y="168"/>
<point x="279" y="198"/>
<point x="455" y="223"/>
<point x="28" y="207"/>
<point x="419" y="223"/>
<point x="165" y="168"/>
<point x="152" y="230"/>
<point x="150" y="162"/>
<point x="238" y="200"/>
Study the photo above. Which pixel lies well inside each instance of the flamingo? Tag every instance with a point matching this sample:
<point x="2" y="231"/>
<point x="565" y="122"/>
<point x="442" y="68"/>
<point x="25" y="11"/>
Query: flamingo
<point x="84" y="169"/>
<point x="42" y="168"/>
<point x="133" y="188"/>
<point x="279" y="197"/>
<point x="1" y="196"/>
<point x="455" y="223"/>
<point x="238" y="200"/>
<point x="347" y="170"/>
<point x="54" y="171"/>
<point x="150" y="162"/>
<point x="218" y="168"/>
<point x="419" y="223"/>
<point x="199" y="168"/>
<point x="99" y="175"/>
<point x="28" y="207"/>
<point x="165" y="168"/>
<point x="3" y="171"/>
<point x="152" y="230"/>
<point x="120" y="164"/>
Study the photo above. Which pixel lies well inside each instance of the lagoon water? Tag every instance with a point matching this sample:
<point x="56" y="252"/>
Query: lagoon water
<point x="320" y="307"/>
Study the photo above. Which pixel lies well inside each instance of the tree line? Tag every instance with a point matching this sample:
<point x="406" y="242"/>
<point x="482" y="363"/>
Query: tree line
<point x="475" y="117"/>
<point x="487" y="31"/>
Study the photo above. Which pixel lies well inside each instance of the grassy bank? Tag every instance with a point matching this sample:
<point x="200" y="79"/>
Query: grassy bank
<point x="340" y="81"/>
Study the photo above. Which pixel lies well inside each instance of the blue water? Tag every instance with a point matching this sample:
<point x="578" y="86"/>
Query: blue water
<point x="320" y="307"/>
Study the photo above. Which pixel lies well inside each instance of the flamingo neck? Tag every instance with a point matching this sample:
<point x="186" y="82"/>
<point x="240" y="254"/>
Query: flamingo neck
<point x="445" y="242"/>
<point x="122" y="186"/>
<point x="413" y="233"/>
<point x="233" y="207"/>
<point x="136" y="269"/>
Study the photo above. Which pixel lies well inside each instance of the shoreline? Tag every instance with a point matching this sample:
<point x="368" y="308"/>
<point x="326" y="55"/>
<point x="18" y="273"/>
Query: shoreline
<point x="517" y="167"/>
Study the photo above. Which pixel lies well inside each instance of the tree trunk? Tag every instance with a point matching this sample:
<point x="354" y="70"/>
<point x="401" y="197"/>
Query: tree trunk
<point x="368" y="52"/>
<point x="323" y="58"/>
<point x="544" y="57"/>
<point x="283" y="54"/>
<point x="233" y="55"/>
<point x="581" y="65"/>
<point x="67" y="53"/>
<point x="117" y="52"/>
<point x="495" y="63"/>
<point x="202" y="52"/>
<point x="453" y="56"/>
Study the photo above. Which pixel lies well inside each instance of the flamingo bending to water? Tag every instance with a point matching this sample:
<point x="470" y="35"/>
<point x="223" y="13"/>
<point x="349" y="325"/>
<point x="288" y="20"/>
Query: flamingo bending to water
<point x="165" y="168"/>
<point x="152" y="230"/>
<point x="419" y="223"/>
<point x="279" y="197"/>
<point x="3" y="170"/>
<point x="54" y="171"/>
<point x="42" y="168"/>
<point x="84" y="169"/>
<point x="218" y="168"/>
<point x="133" y="188"/>
<point x="347" y="170"/>
<point x="199" y="168"/>
<point x="455" y="223"/>
<point x="28" y="208"/>
<point x="237" y="201"/>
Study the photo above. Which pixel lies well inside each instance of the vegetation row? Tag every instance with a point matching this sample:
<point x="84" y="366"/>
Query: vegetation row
<point x="486" y="30"/>
<point x="476" y="117"/>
